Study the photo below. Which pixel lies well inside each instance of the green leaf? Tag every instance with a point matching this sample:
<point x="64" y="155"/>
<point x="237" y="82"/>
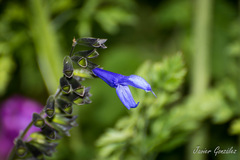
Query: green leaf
<point x="6" y="68"/>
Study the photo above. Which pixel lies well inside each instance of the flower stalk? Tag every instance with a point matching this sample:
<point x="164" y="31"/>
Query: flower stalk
<point x="56" y="119"/>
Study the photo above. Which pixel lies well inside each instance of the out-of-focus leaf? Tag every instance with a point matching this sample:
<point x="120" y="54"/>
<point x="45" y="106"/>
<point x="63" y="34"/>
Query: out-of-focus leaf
<point x="165" y="78"/>
<point x="172" y="14"/>
<point x="235" y="127"/>
<point x="7" y="66"/>
<point x="47" y="47"/>
<point x="111" y="17"/>
<point x="166" y="75"/>
<point x="113" y="136"/>
<point x="60" y="6"/>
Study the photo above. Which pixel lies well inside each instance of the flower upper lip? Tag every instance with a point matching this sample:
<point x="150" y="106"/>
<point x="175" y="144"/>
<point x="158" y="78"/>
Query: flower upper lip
<point x="121" y="82"/>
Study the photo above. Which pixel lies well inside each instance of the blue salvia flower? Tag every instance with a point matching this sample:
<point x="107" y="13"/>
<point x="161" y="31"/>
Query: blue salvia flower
<point x="121" y="82"/>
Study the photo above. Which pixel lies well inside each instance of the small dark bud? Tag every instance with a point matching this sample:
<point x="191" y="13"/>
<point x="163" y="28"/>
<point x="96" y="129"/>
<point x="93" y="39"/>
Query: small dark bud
<point x="65" y="106"/>
<point x="36" y="153"/>
<point x="100" y="43"/>
<point x="93" y="42"/>
<point x="50" y="107"/>
<point x="38" y="121"/>
<point x="88" y="54"/>
<point x="87" y="92"/>
<point x="72" y="121"/>
<point x="47" y="148"/>
<point x="75" y="98"/>
<point x="79" y="101"/>
<point x="21" y="148"/>
<point x="92" y="65"/>
<point x="68" y="67"/>
<point x="93" y="54"/>
<point x="49" y="132"/>
<point x="74" y="83"/>
<point x="77" y="87"/>
<point x="80" y="91"/>
<point x="63" y="128"/>
<point x="65" y="85"/>
<point x="67" y="120"/>
<point x="82" y="62"/>
<point x="84" y="53"/>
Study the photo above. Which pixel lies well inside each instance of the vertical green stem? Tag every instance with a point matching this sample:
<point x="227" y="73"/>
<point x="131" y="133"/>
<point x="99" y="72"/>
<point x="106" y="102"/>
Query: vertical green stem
<point x="45" y="40"/>
<point x="201" y="33"/>
<point x="238" y="75"/>
<point x="200" y="71"/>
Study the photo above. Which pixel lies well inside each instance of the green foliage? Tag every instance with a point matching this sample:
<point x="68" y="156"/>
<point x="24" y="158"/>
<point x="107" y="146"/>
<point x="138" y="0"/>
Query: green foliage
<point x="164" y="123"/>
<point x="147" y="128"/>
<point x="7" y="66"/>
<point x="110" y="18"/>
<point x="34" y="34"/>
<point x="109" y="14"/>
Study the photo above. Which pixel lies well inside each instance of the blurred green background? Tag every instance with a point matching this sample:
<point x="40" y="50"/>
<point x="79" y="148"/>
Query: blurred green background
<point x="188" y="50"/>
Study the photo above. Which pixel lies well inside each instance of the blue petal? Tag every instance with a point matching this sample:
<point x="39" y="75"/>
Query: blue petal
<point x="109" y="77"/>
<point x="126" y="97"/>
<point x="137" y="82"/>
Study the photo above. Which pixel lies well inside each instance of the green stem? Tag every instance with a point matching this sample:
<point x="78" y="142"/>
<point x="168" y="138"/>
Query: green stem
<point x="45" y="39"/>
<point x="238" y="75"/>
<point x="22" y="135"/>
<point x="41" y="114"/>
<point x="200" y="71"/>
<point x="57" y="93"/>
<point x="26" y="130"/>
<point x="201" y="37"/>
<point x="73" y="47"/>
<point x="12" y="153"/>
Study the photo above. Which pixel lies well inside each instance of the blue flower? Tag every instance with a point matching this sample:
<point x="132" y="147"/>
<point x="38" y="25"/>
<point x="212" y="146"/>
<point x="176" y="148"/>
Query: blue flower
<point x="121" y="82"/>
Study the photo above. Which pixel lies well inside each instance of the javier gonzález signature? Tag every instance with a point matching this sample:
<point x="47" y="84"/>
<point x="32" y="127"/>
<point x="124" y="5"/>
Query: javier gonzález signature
<point x="216" y="151"/>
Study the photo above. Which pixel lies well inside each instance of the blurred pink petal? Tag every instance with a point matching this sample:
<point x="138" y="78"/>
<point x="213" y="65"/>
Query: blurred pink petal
<point x="15" y="114"/>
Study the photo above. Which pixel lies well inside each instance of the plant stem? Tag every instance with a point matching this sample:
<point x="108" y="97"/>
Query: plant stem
<point x="73" y="47"/>
<point x="26" y="130"/>
<point x="239" y="63"/>
<point x="201" y="37"/>
<point x="57" y="93"/>
<point x="41" y="114"/>
<point x="200" y="72"/>
<point x="12" y="153"/>
<point x="45" y="39"/>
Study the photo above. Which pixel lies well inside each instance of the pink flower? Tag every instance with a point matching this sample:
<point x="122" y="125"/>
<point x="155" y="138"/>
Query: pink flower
<point x="15" y="114"/>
